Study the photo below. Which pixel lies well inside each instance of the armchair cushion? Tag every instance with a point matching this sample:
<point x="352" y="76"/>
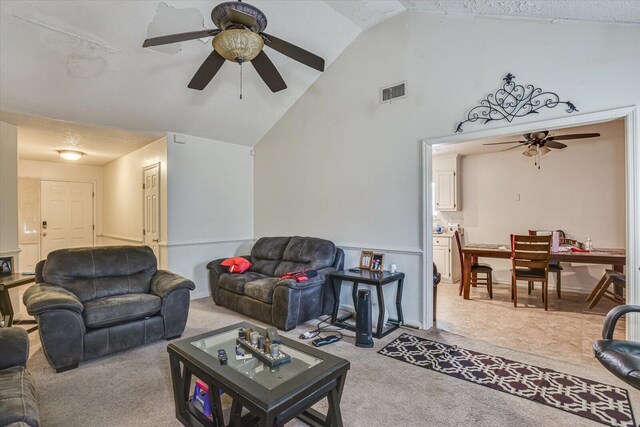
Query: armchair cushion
<point x="117" y="309"/>
<point x="17" y="397"/>
<point x="235" y="282"/>
<point x="14" y="343"/>
<point x="44" y="297"/>
<point x="163" y="282"/>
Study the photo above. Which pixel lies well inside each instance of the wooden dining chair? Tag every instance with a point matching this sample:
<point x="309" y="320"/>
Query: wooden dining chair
<point x="554" y="266"/>
<point x="484" y="269"/>
<point x="610" y="277"/>
<point x="530" y="263"/>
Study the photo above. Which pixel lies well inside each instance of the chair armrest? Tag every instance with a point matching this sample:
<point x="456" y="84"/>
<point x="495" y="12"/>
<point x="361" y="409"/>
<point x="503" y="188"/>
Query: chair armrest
<point x="44" y="297"/>
<point x="164" y="282"/>
<point x="14" y="343"/>
<point x="613" y="316"/>
<point x="38" y="273"/>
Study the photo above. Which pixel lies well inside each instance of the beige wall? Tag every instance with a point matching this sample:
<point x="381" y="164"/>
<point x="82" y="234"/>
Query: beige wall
<point x="122" y="196"/>
<point x="210" y="188"/>
<point x="580" y="189"/>
<point x="341" y="165"/>
<point x="8" y="190"/>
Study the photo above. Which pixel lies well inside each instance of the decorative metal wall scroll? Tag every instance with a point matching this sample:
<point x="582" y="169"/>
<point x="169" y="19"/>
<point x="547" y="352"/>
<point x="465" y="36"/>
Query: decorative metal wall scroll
<point x="512" y="101"/>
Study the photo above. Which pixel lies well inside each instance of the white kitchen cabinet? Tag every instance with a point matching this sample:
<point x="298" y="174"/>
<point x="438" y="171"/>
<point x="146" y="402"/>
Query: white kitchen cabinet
<point x="446" y="194"/>
<point x="446" y="258"/>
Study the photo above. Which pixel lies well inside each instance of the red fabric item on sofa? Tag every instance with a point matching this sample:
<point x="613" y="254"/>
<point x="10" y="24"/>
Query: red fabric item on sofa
<point x="236" y="264"/>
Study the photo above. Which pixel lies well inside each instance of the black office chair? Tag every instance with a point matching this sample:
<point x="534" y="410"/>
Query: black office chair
<point x="620" y="357"/>
<point x="436" y="279"/>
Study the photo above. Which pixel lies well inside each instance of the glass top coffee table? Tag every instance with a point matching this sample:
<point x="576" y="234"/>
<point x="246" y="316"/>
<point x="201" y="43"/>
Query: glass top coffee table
<point x="273" y="396"/>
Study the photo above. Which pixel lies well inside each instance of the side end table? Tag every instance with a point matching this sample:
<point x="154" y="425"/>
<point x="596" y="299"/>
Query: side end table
<point x="365" y="277"/>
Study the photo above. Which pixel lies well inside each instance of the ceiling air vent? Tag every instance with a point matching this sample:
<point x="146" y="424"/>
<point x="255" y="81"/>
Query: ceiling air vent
<point x="397" y="91"/>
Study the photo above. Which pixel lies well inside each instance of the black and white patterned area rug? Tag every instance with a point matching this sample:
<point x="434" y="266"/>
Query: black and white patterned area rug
<point x="589" y="399"/>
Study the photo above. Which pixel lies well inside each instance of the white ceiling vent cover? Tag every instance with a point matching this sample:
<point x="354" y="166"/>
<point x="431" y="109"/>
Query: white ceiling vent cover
<point x="397" y="91"/>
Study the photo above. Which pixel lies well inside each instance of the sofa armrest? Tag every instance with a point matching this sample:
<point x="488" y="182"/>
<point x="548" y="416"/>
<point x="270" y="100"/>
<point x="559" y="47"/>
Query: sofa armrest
<point x="164" y="282"/>
<point x="612" y="317"/>
<point x="216" y="266"/>
<point x="14" y="343"/>
<point x="320" y="279"/>
<point x="44" y="297"/>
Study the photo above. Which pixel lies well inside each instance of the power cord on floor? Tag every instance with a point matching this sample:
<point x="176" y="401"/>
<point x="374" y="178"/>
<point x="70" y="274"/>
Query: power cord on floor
<point x="336" y="330"/>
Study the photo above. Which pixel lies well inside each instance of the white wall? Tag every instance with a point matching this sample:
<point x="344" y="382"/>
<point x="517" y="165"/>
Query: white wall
<point x="210" y="194"/>
<point x="8" y="190"/>
<point x="580" y="190"/>
<point x="341" y="165"/>
<point x="122" y="196"/>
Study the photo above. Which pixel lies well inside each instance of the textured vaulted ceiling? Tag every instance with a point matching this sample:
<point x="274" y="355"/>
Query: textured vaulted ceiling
<point x="82" y="61"/>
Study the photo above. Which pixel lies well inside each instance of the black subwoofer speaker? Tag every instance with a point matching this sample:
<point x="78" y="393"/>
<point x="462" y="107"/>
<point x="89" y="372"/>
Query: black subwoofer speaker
<point x="364" y="337"/>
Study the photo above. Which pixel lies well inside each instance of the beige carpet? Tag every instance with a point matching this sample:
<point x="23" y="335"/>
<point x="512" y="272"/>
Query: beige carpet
<point x="133" y="388"/>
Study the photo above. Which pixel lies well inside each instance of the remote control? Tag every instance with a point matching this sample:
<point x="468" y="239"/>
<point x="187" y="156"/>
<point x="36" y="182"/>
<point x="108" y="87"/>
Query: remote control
<point x="222" y="356"/>
<point x="319" y="342"/>
<point x="273" y="335"/>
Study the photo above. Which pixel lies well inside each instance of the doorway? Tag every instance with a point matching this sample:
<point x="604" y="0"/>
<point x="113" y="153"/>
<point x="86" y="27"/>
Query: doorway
<point x="66" y="214"/>
<point x="630" y="115"/>
<point x="151" y="207"/>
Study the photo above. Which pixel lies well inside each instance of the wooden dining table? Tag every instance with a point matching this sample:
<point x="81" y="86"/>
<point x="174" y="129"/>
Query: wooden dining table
<point x="617" y="258"/>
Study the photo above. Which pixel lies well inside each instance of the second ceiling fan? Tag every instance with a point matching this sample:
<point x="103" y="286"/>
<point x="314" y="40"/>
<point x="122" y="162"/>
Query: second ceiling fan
<point x="540" y="143"/>
<point x="240" y="38"/>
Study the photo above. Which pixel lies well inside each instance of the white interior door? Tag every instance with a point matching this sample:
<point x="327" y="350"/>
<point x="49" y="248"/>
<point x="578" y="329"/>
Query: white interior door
<point x="66" y="215"/>
<point x="151" y="207"/>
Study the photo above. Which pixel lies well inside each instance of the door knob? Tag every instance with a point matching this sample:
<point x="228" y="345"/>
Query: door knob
<point x="44" y="234"/>
<point x="155" y="240"/>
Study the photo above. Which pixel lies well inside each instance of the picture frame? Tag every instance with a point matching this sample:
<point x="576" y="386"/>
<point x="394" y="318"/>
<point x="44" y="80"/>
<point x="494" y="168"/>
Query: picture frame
<point x="377" y="262"/>
<point x="365" y="260"/>
<point x="6" y="266"/>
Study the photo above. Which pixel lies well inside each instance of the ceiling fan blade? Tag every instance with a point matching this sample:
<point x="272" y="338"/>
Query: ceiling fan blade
<point x="268" y="72"/>
<point x="510" y="148"/>
<point x="554" y="144"/>
<point x="175" y="38"/>
<point x="207" y="70"/>
<point x="241" y="18"/>
<point x="294" y="52"/>
<point x="508" y="142"/>
<point x="576" y="136"/>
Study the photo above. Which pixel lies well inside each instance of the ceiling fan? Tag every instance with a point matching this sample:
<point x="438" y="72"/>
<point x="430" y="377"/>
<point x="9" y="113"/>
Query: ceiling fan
<point x="540" y="143"/>
<point x="240" y="38"/>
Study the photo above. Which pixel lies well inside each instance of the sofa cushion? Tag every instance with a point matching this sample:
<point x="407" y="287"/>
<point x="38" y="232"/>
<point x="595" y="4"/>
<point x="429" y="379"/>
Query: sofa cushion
<point x="98" y="272"/>
<point x="306" y="253"/>
<point x="17" y="397"/>
<point x="261" y="289"/>
<point x="235" y="282"/>
<point x="266" y="254"/>
<point x="117" y="309"/>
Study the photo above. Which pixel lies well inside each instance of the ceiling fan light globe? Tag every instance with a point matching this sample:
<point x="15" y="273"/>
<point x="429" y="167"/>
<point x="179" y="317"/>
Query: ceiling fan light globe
<point x="544" y="150"/>
<point x="238" y="45"/>
<point x="530" y="151"/>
